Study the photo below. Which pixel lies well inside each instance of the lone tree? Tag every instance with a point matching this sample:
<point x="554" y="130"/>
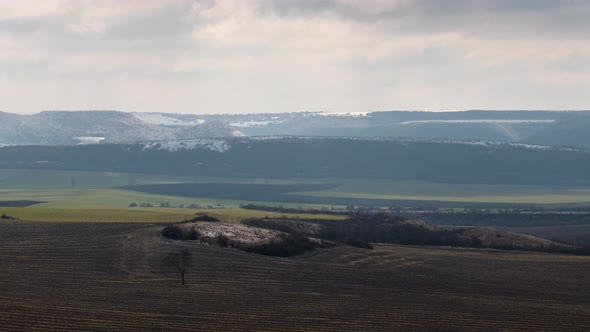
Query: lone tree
<point x="181" y="261"/>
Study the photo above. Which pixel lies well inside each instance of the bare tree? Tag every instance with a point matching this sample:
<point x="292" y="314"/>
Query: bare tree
<point x="181" y="261"/>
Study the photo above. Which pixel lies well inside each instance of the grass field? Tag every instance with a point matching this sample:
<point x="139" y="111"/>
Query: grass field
<point x="94" y="199"/>
<point x="164" y="215"/>
<point x="52" y="180"/>
<point x="431" y="191"/>
<point x="104" y="198"/>
<point x="91" y="276"/>
<point x="27" y="179"/>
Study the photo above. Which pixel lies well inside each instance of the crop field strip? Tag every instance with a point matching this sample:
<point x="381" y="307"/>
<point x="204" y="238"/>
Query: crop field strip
<point x="110" y="276"/>
<point x="92" y="187"/>
<point x="142" y="215"/>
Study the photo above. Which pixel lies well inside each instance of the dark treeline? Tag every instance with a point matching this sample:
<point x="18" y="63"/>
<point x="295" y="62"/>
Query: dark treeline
<point x="282" y="209"/>
<point x="380" y="228"/>
<point x="21" y="203"/>
<point x="470" y="217"/>
<point x="512" y="219"/>
<point x="375" y="228"/>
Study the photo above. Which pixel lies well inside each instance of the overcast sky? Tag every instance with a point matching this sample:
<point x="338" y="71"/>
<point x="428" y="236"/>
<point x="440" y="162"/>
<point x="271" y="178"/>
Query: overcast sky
<point x="293" y="55"/>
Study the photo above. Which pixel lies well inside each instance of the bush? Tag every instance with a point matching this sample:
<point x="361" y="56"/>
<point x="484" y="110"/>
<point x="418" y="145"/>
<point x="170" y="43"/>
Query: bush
<point x="222" y="240"/>
<point x="172" y="232"/>
<point x="193" y="234"/>
<point x="205" y="217"/>
<point x="286" y="245"/>
<point x="176" y="232"/>
<point x="6" y="217"/>
<point x="358" y="243"/>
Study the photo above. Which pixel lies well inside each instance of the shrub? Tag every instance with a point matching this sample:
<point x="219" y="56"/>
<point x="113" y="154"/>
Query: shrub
<point x="6" y="217"/>
<point x="222" y="240"/>
<point x="193" y="234"/>
<point x="358" y="243"/>
<point x="172" y="232"/>
<point x="206" y="217"/>
<point x="286" y="245"/>
<point x="176" y="232"/>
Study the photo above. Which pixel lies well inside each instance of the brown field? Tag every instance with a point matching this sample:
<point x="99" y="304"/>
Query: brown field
<point x="103" y="276"/>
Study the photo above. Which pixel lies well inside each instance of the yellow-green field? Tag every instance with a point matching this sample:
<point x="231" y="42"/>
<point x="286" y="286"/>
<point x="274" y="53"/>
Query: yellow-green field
<point x="63" y="186"/>
<point x="103" y="198"/>
<point x="164" y="215"/>
<point x="98" y="215"/>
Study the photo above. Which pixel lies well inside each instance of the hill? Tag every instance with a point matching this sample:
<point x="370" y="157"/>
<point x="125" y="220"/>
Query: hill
<point x="83" y="127"/>
<point x="296" y="157"/>
<point x="556" y="128"/>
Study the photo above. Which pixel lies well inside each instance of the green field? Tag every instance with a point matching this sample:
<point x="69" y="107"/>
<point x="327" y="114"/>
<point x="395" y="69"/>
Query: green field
<point x="68" y="184"/>
<point x="11" y="179"/>
<point x="90" y="196"/>
<point x="145" y="214"/>
<point x="433" y="191"/>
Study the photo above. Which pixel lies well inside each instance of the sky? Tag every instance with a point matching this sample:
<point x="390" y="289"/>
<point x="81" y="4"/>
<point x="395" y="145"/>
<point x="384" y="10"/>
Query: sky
<point x="252" y="56"/>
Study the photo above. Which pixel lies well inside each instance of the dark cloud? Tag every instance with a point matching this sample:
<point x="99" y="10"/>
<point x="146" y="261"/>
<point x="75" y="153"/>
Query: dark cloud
<point x="493" y="18"/>
<point x="165" y="22"/>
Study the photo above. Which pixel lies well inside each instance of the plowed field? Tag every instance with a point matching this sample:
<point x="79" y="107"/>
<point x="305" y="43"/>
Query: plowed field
<point x="101" y="276"/>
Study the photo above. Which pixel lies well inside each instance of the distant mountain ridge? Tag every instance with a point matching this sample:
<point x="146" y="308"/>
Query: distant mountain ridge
<point x="80" y="127"/>
<point x="557" y="128"/>
<point x="553" y="128"/>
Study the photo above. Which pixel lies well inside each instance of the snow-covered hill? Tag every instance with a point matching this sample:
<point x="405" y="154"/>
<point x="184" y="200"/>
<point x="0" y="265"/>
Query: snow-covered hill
<point x="555" y="128"/>
<point x="87" y="127"/>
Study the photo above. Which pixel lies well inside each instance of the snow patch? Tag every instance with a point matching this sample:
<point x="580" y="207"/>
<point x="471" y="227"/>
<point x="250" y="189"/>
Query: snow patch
<point x="89" y="139"/>
<point x="496" y="143"/>
<point x="217" y="145"/>
<point x="163" y="120"/>
<point x="252" y="123"/>
<point x="492" y="121"/>
<point x="237" y="133"/>
<point x="345" y="114"/>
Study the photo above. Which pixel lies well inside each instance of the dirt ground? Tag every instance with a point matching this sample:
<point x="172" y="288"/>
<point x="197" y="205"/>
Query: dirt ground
<point x="97" y="276"/>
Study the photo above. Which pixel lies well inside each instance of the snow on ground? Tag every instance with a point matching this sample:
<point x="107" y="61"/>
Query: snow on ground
<point x="89" y="139"/>
<point x="217" y="145"/>
<point x="237" y="133"/>
<point x="344" y="114"/>
<point x="252" y="123"/>
<point x="163" y="120"/>
<point x="496" y="143"/>
<point x="492" y="121"/>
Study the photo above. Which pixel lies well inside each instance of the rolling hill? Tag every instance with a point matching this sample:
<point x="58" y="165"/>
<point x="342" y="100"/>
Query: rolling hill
<point x="83" y="127"/>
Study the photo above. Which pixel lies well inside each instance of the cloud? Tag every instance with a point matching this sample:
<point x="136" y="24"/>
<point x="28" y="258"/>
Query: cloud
<point x="293" y="55"/>
<point x="521" y="18"/>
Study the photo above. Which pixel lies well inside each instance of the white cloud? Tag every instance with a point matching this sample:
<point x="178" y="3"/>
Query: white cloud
<point x="274" y="56"/>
